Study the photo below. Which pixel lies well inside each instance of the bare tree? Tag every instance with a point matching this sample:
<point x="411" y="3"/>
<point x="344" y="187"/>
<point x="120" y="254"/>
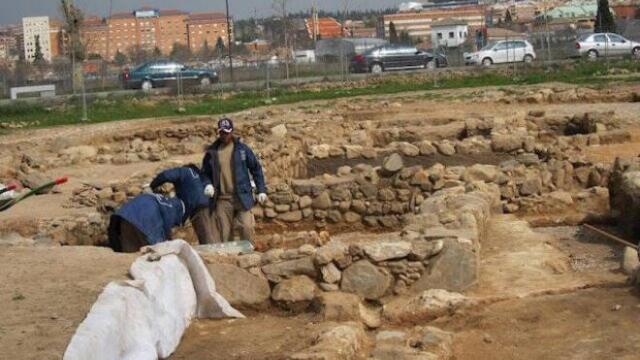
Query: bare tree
<point x="73" y="18"/>
<point x="280" y="6"/>
<point x="343" y="66"/>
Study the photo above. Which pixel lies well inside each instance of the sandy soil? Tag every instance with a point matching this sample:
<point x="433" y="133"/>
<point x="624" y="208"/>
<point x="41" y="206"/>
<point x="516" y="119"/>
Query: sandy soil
<point x="46" y="292"/>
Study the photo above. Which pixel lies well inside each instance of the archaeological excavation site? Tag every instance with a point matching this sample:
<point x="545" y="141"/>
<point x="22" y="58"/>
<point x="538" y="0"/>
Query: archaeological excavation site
<point x="480" y="223"/>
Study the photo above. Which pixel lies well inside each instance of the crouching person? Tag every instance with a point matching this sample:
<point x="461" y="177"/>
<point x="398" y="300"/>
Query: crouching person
<point x="145" y="220"/>
<point x="189" y="187"/>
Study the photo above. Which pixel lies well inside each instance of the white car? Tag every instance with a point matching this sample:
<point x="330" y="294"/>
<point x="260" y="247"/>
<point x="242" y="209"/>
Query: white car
<point x="499" y="52"/>
<point x="606" y="44"/>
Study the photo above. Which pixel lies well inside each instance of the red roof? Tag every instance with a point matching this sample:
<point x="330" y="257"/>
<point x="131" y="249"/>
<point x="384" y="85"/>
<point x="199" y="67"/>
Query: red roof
<point x="326" y="28"/>
<point x="172" y="12"/>
<point x="212" y="16"/>
<point x="122" y="15"/>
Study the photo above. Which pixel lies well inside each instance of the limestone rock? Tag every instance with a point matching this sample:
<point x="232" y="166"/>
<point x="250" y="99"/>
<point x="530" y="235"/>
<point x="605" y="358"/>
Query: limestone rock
<point x="296" y="293"/>
<point x="381" y="251"/>
<point x="291" y="216"/>
<point x="239" y="287"/>
<point x="479" y="172"/>
<point x="336" y="342"/>
<point x="392" y="164"/>
<point x="455" y="268"/>
<point x="425" y="306"/>
<point x="446" y="148"/>
<point x="366" y="280"/>
<point x="276" y="272"/>
<point x="249" y="260"/>
<point x="330" y="252"/>
<point x="279" y="131"/>
<point x="322" y="202"/>
<point x="426" y="148"/>
<point x="330" y="273"/>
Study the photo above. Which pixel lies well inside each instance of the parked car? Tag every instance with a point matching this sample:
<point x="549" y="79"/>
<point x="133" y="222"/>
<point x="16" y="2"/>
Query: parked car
<point x="161" y="73"/>
<point x="606" y="44"/>
<point x="503" y="51"/>
<point x="396" y="57"/>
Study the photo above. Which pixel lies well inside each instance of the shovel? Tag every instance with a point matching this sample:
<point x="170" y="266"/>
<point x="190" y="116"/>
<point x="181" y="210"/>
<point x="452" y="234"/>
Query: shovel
<point x="32" y="192"/>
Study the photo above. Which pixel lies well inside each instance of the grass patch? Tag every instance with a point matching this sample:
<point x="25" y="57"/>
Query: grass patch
<point x="140" y="106"/>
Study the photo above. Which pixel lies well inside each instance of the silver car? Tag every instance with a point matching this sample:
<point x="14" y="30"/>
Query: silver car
<point x="606" y="44"/>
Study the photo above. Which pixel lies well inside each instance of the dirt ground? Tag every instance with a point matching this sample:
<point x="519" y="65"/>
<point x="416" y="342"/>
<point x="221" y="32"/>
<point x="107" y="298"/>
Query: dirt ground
<point x="551" y="293"/>
<point x="46" y="292"/>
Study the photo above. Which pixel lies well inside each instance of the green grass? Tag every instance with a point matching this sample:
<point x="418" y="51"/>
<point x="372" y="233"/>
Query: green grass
<point x="137" y="106"/>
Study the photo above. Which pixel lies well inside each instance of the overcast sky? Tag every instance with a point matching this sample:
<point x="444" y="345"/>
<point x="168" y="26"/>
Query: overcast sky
<point x="11" y="11"/>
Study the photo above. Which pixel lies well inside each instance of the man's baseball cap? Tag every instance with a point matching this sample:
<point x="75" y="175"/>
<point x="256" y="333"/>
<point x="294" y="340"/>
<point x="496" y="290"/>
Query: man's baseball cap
<point x="225" y="124"/>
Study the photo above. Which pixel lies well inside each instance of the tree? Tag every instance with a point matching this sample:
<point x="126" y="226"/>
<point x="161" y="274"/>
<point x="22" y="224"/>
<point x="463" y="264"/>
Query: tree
<point x="38" y="57"/>
<point x="507" y="18"/>
<point x="604" y="18"/>
<point x="206" y="52"/>
<point x="120" y="58"/>
<point x="280" y="6"/>
<point x="94" y="56"/>
<point x="180" y="52"/>
<point x="138" y="55"/>
<point x="220" y="47"/>
<point x="404" y="38"/>
<point x="156" y="54"/>
<point x="393" y="35"/>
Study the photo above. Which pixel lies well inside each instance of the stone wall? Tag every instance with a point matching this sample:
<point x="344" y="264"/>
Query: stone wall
<point x="624" y="189"/>
<point x="438" y="248"/>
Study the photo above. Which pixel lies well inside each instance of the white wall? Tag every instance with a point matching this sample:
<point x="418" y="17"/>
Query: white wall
<point x="449" y="35"/>
<point x="32" y="26"/>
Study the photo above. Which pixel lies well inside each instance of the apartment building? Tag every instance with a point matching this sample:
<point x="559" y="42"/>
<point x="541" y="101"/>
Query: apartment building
<point x="36" y="29"/>
<point x="151" y="29"/>
<point x="207" y="27"/>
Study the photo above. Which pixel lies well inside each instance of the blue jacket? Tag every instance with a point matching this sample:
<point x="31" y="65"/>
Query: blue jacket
<point x="188" y="185"/>
<point x="154" y="215"/>
<point x="245" y="166"/>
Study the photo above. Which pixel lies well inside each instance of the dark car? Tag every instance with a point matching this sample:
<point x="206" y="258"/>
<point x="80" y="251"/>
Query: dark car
<point x="161" y="73"/>
<point x="396" y="57"/>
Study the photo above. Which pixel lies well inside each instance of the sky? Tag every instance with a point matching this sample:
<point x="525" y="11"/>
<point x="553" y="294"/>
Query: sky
<point x="12" y="11"/>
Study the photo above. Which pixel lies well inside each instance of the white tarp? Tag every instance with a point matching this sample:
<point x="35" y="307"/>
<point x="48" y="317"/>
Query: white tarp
<point x="145" y="318"/>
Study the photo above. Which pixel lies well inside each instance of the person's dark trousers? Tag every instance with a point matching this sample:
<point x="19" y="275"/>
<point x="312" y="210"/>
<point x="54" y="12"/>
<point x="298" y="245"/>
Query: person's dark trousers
<point x="202" y="225"/>
<point x="131" y="239"/>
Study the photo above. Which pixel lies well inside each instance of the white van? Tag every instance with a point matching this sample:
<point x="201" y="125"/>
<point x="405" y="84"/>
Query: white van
<point x="504" y="51"/>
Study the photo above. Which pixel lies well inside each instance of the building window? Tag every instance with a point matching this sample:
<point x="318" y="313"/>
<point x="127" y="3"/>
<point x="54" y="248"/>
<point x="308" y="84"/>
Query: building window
<point x="451" y="35"/>
<point x="439" y="36"/>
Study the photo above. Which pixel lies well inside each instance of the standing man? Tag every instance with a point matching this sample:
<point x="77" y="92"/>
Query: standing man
<point x="189" y="186"/>
<point x="228" y="167"/>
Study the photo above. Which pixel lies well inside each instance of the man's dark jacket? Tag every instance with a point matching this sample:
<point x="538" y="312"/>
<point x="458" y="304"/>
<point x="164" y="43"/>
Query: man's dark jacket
<point x="245" y="165"/>
<point x="189" y="187"/>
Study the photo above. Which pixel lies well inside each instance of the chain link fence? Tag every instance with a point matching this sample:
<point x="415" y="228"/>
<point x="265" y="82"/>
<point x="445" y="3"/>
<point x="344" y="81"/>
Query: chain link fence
<point x="329" y="64"/>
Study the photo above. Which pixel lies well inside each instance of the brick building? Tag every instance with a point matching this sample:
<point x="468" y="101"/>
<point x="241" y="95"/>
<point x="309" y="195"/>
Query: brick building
<point x="151" y="29"/>
<point x="207" y="27"/>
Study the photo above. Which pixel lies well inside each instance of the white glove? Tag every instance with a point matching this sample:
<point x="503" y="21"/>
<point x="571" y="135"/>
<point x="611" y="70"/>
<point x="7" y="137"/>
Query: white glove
<point x="209" y="191"/>
<point x="262" y="198"/>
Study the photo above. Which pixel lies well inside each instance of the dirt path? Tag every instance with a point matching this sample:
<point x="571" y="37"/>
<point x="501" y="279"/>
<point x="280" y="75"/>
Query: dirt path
<point x="566" y="298"/>
<point x="259" y="337"/>
<point x="46" y="292"/>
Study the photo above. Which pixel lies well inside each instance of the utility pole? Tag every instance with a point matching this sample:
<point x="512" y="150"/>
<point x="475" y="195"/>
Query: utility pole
<point x="229" y="41"/>
<point x="108" y="40"/>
